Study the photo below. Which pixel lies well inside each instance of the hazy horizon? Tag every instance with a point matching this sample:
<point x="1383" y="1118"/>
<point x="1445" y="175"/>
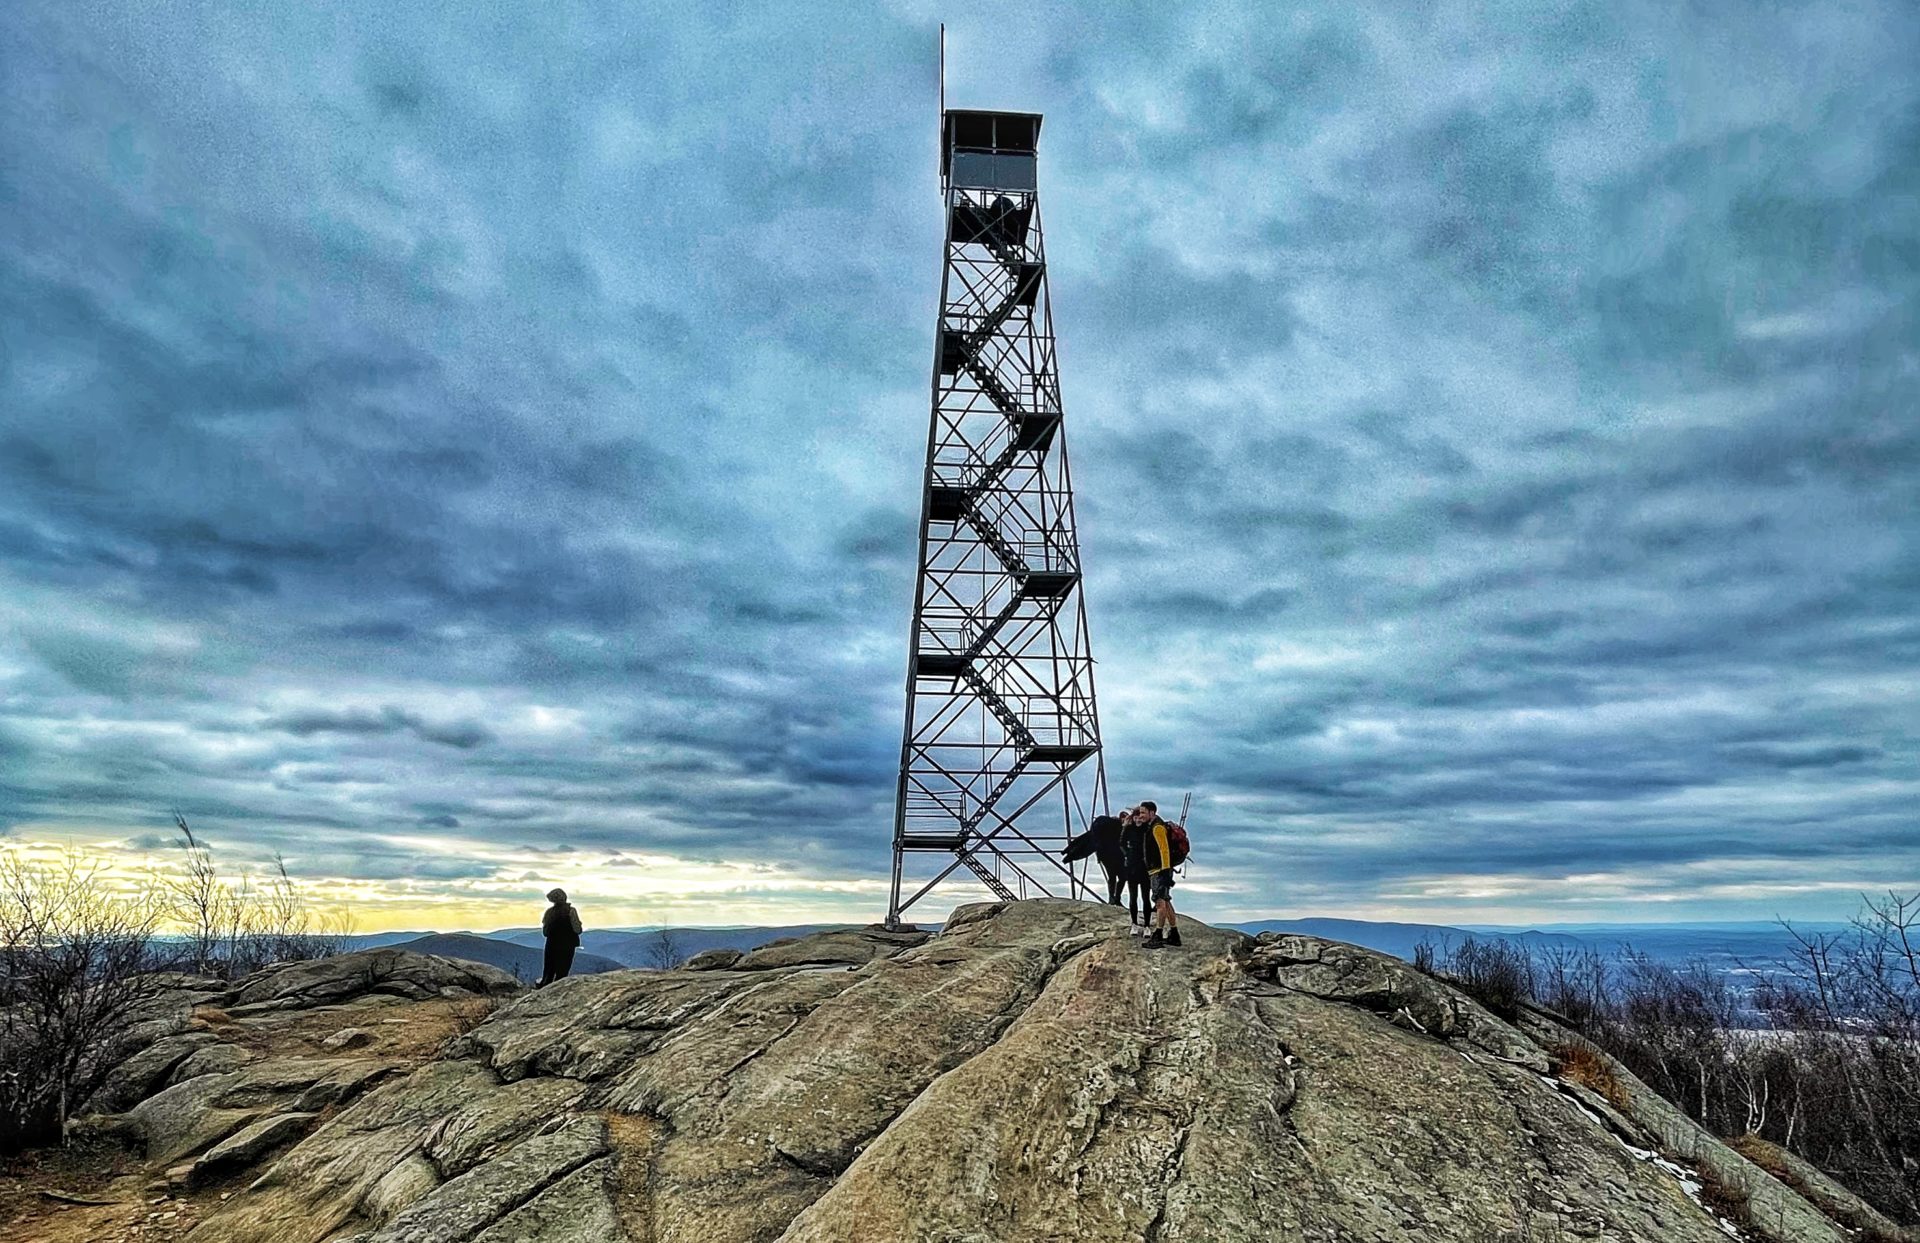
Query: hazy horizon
<point x="1465" y="926"/>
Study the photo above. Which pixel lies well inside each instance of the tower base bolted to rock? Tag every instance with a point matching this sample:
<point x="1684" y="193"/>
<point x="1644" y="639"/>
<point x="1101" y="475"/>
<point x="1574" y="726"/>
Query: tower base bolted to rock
<point x="1000" y="759"/>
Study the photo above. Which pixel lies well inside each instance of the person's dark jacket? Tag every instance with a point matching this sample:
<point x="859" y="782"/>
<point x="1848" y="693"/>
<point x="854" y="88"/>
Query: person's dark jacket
<point x="1101" y="839"/>
<point x="1156" y="846"/>
<point x="1133" y="851"/>
<point x="560" y="925"/>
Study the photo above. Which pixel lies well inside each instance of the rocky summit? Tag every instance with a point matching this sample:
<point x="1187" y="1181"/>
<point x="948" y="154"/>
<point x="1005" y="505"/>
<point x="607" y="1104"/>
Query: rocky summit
<point x="1031" y="1072"/>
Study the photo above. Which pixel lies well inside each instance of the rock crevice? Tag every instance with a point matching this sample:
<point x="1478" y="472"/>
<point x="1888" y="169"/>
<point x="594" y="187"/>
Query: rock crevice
<point x="1029" y="1073"/>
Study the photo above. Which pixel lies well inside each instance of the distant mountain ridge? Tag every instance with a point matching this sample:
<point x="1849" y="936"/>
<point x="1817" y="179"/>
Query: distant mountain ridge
<point x="667" y="947"/>
<point x="608" y="949"/>
<point x="1728" y="945"/>
<point x="522" y="962"/>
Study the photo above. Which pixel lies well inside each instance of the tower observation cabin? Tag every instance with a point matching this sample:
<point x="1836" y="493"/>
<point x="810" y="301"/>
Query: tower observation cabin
<point x="991" y="150"/>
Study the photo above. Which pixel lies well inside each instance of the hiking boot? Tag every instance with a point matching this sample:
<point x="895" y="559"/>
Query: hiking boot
<point x="1154" y="941"/>
<point x="1173" y="937"/>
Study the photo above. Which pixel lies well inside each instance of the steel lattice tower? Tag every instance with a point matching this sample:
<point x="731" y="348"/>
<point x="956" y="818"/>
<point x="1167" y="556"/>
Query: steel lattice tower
<point x="1000" y="759"/>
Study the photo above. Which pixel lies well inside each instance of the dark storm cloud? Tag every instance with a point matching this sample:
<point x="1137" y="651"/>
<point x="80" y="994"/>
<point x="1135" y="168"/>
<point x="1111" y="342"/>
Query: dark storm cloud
<point x="1493" y="434"/>
<point x="388" y="720"/>
<point x="155" y="841"/>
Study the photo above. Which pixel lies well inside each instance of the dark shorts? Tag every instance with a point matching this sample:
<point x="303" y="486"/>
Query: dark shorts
<point x="1160" y="886"/>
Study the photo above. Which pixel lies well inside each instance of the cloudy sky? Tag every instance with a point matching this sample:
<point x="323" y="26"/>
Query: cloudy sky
<point x="466" y="447"/>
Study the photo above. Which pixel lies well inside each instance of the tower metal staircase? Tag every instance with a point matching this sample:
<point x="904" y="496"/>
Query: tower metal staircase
<point x="1000" y="757"/>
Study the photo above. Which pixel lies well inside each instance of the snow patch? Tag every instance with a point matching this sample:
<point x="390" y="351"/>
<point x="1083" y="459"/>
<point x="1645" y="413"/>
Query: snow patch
<point x="1688" y="1179"/>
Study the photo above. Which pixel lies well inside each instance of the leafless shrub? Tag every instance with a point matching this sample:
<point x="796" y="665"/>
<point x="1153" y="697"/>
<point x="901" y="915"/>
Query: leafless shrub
<point x="1850" y="1005"/>
<point x="232" y="927"/>
<point x="666" y="950"/>
<point x="79" y="956"/>
<point x="1826" y="1079"/>
<point x="1498" y="974"/>
<point x="1575" y="983"/>
<point x="1819" y="1059"/>
<point x="75" y="959"/>
<point x="1672" y="1027"/>
<point x="1821" y="1056"/>
<point x="201" y="903"/>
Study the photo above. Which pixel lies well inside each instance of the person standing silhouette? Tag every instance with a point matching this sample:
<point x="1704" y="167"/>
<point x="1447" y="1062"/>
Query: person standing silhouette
<point x="1133" y="871"/>
<point x="1160" y="865"/>
<point x="561" y="926"/>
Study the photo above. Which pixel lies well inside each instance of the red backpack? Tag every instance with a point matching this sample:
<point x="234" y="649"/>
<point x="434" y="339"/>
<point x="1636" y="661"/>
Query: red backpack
<point x="1177" y="842"/>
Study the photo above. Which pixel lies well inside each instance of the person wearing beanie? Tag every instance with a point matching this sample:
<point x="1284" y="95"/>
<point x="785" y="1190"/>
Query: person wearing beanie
<point x="561" y="926"/>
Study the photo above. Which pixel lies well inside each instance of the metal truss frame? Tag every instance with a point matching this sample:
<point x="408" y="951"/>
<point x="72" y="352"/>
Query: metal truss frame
<point x="1000" y="760"/>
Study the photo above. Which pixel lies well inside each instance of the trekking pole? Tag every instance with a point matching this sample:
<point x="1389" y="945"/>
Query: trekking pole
<point x="1185" y="805"/>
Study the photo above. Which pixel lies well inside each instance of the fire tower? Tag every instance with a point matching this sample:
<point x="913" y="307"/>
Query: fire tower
<point x="1000" y="759"/>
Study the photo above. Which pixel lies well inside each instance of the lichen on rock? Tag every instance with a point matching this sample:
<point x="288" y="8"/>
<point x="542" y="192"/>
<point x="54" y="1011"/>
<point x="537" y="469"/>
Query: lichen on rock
<point x="1028" y="1073"/>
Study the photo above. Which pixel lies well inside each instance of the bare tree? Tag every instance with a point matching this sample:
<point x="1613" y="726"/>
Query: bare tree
<point x="1498" y="973"/>
<point x="235" y="927"/>
<point x="1852" y="1004"/>
<point x="277" y="924"/>
<point x="1573" y="982"/>
<point x="76" y="958"/>
<point x="1821" y="1056"/>
<point x="667" y="949"/>
<point x="201" y="903"/>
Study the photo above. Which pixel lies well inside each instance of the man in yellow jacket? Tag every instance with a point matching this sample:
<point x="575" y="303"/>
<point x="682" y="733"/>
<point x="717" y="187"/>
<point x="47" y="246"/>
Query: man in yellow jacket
<point x="1159" y="851"/>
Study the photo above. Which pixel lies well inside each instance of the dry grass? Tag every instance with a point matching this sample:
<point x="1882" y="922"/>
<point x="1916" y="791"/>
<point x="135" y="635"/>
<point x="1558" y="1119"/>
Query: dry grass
<point x="1580" y="1064"/>
<point x="91" y="1168"/>
<point x="1765" y="1155"/>
<point x="1727" y="1202"/>
<point x="98" y="1167"/>
<point x="402" y="1030"/>
<point x="1769" y="1157"/>
<point x="210" y="1018"/>
<point x="635" y="1139"/>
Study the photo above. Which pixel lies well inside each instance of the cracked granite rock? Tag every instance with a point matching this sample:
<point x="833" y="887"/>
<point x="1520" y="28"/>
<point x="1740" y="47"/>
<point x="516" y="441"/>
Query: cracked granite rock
<point x="1029" y="1073"/>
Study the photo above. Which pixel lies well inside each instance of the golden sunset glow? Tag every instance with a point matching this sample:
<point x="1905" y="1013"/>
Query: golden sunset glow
<point x="612" y="890"/>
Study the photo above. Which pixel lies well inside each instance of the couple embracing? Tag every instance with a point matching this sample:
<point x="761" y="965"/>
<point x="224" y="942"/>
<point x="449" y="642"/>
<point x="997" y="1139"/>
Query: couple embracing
<point x="1138" y="851"/>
